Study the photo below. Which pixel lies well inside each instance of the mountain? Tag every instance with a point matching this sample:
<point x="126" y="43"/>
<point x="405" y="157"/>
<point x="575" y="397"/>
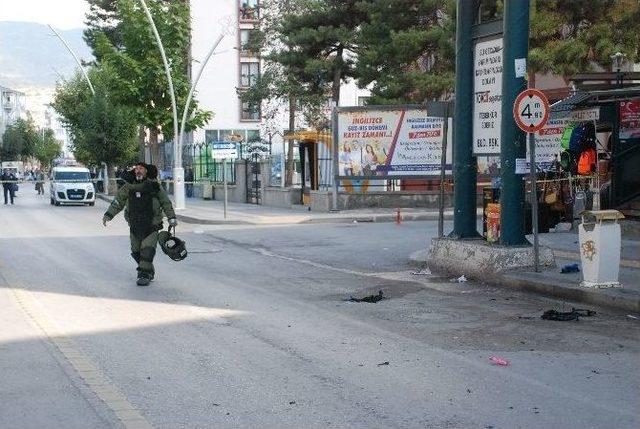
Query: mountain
<point x="32" y="56"/>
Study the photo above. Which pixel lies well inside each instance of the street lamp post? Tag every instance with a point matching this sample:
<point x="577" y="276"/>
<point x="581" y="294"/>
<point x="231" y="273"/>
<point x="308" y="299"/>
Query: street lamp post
<point x="178" y="170"/>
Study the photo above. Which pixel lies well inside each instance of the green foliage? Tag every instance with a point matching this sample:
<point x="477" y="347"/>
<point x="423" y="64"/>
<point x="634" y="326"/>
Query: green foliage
<point x="124" y="43"/>
<point x="47" y="149"/>
<point x="19" y="140"/>
<point x="574" y="36"/>
<point x="101" y="129"/>
<point x="406" y="50"/>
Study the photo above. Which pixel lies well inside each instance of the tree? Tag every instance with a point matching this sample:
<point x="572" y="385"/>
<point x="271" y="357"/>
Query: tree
<point x="572" y="36"/>
<point x="139" y="79"/>
<point x="406" y="50"/>
<point x="19" y="140"/>
<point x="101" y="129"/>
<point x="47" y="148"/>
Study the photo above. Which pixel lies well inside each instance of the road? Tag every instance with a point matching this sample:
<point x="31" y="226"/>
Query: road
<point x="253" y="329"/>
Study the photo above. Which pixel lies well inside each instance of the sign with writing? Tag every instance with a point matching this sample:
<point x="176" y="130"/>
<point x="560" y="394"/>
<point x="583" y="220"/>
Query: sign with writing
<point x="403" y="141"/>
<point x="531" y="110"/>
<point x="630" y="119"/>
<point x="487" y="102"/>
<point x="224" y="151"/>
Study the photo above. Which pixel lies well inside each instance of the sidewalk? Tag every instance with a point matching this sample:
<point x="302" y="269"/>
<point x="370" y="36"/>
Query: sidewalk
<point x="567" y="286"/>
<point x="211" y="212"/>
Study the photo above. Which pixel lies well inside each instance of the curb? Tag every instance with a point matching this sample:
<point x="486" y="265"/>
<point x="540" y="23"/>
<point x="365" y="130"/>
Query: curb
<point x="373" y="218"/>
<point x="549" y="287"/>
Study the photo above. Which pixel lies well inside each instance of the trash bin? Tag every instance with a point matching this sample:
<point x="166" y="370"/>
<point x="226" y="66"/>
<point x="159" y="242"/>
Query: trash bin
<point x="600" y="240"/>
<point x="207" y="190"/>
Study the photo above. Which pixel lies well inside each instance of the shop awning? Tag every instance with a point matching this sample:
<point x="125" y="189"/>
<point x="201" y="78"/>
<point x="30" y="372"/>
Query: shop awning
<point x="309" y="136"/>
<point x="582" y="100"/>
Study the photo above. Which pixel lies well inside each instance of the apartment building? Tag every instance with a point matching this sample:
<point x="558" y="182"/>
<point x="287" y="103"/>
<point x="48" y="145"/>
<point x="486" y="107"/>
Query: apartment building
<point x="235" y="68"/>
<point x="12" y="107"/>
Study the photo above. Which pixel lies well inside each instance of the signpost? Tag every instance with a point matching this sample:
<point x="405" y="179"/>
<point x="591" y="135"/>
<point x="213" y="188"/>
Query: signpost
<point x="531" y="113"/>
<point x="224" y="151"/>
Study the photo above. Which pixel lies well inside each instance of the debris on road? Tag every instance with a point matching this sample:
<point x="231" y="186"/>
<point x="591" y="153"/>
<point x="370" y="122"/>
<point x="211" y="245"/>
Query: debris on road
<point x="460" y="279"/>
<point x="370" y="298"/>
<point x="499" y="361"/>
<point x="633" y="317"/>
<point x="384" y="363"/>
<point x="292" y="402"/>
<point x="570" y="268"/>
<point x="422" y="272"/>
<point x="564" y="316"/>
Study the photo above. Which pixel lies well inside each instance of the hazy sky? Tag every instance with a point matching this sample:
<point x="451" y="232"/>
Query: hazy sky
<point x="62" y="14"/>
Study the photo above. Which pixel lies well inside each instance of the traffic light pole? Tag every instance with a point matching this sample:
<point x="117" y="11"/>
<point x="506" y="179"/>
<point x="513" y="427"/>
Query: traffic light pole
<point x="513" y="146"/>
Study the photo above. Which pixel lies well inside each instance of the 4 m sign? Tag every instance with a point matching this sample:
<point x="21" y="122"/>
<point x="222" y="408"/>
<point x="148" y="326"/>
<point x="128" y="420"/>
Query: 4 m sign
<point x="531" y="110"/>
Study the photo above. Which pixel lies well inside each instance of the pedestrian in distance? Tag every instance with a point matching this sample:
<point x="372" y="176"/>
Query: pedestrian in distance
<point x="39" y="178"/>
<point x="144" y="203"/>
<point x="9" y="185"/>
<point x="188" y="178"/>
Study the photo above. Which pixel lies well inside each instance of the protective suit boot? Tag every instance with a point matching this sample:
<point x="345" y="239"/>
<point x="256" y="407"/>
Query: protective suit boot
<point x="143" y="279"/>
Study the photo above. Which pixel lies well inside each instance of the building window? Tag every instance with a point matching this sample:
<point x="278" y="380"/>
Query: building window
<point x="363" y="101"/>
<point x="245" y="37"/>
<point x="253" y="136"/>
<point x="249" y="10"/>
<point x="250" y="111"/>
<point x="249" y="73"/>
<point x="210" y="136"/>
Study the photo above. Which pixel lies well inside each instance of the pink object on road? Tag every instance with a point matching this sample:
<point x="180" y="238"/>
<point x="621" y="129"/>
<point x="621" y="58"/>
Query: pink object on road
<point x="499" y="361"/>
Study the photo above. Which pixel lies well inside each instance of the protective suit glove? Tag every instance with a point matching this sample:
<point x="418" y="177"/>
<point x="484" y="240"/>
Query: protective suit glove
<point x="173" y="222"/>
<point x="105" y="219"/>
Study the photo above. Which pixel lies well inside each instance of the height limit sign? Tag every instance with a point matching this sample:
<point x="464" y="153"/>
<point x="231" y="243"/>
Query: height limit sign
<point x="531" y="110"/>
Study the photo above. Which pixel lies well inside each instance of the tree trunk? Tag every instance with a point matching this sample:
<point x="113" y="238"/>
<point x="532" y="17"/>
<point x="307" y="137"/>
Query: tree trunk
<point x="337" y="77"/>
<point x="292" y="128"/>
<point x="142" y="134"/>
<point x="155" y="149"/>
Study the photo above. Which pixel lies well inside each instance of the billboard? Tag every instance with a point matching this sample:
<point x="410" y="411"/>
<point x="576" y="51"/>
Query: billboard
<point x="383" y="142"/>
<point x="487" y="97"/>
<point x="630" y="119"/>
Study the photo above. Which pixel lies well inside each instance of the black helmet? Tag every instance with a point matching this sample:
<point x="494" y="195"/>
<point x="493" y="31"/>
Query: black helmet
<point x="172" y="246"/>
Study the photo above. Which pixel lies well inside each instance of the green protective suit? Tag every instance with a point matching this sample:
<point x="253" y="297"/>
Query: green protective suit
<point x="144" y="205"/>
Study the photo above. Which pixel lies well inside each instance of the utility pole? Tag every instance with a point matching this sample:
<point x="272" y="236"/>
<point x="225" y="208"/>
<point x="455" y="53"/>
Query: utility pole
<point x="513" y="146"/>
<point x="464" y="168"/>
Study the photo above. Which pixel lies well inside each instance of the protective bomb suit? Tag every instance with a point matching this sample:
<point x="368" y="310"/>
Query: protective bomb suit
<point x="144" y="202"/>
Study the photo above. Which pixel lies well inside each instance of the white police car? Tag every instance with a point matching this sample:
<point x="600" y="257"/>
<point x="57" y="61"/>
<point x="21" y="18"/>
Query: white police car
<point x="72" y="185"/>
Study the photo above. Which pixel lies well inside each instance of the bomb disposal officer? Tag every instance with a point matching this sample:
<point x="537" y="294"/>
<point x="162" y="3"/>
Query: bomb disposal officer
<point x="144" y="203"/>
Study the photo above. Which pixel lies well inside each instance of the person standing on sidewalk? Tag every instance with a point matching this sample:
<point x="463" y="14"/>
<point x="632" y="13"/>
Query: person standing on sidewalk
<point x="39" y="178"/>
<point x="9" y="184"/>
<point x="144" y="203"/>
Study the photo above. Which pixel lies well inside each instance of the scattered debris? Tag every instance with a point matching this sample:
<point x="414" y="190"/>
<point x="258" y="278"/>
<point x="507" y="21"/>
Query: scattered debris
<point x="468" y="390"/>
<point x="422" y="272"/>
<point x="384" y="363"/>
<point x="564" y="316"/>
<point x="570" y="268"/>
<point x="460" y="279"/>
<point x="633" y="317"/>
<point x="292" y="402"/>
<point x="370" y="298"/>
<point x="215" y="405"/>
<point x="499" y="361"/>
<point x="148" y="378"/>
<point x="595" y="371"/>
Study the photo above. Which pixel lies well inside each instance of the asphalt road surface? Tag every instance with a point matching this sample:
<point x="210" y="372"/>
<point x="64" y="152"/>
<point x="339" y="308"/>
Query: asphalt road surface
<point x="254" y="330"/>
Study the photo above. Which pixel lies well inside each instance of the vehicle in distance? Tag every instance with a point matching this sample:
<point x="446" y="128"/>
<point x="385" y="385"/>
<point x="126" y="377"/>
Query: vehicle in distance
<point x="72" y="185"/>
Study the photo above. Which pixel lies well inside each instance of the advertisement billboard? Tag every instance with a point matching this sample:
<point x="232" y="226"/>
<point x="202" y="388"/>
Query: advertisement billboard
<point x="487" y="101"/>
<point x="630" y="119"/>
<point x="378" y="142"/>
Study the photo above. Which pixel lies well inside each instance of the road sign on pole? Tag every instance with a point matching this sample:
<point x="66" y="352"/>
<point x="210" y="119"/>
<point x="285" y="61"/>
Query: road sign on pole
<point x="531" y="112"/>
<point x="224" y="151"/>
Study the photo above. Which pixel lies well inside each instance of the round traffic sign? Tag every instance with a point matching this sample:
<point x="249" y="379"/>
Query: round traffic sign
<point x="531" y="110"/>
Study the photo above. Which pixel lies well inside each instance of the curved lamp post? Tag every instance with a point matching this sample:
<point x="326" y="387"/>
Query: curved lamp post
<point x="178" y="170"/>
